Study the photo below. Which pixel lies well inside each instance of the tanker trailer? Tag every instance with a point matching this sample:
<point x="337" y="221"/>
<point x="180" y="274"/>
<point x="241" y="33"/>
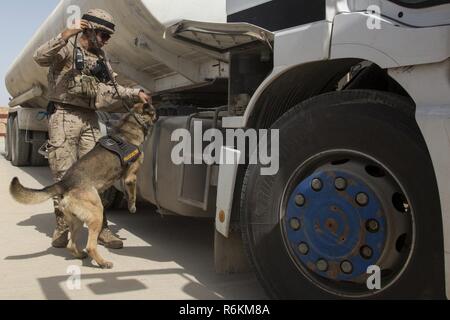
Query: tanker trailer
<point x="139" y="53"/>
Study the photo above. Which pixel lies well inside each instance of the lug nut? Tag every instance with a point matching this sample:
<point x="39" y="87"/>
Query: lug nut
<point x="303" y="248"/>
<point x="366" y="252"/>
<point x="300" y="200"/>
<point x="347" y="267"/>
<point x="362" y="199"/>
<point x="340" y="184"/>
<point x="322" y="265"/>
<point x="295" y="224"/>
<point x="317" y="185"/>
<point x="372" y="226"/>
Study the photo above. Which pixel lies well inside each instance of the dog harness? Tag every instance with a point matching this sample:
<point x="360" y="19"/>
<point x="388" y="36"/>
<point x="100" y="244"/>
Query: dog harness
<point x="127" y="152"/>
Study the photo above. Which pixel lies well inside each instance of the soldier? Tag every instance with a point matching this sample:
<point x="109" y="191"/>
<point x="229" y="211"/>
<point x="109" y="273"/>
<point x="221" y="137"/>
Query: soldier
<point x="78" y="83"/>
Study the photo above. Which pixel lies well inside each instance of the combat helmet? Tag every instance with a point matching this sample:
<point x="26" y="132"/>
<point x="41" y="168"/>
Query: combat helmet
<point x="100" y="20"/>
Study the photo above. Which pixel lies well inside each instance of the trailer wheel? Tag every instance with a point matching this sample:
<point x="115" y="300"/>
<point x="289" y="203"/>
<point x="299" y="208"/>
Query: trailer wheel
<point x="36" y="159"/>
<point x="354" y="211"/>
<point x="8" y="137"/>
<point x="20" y="149"/>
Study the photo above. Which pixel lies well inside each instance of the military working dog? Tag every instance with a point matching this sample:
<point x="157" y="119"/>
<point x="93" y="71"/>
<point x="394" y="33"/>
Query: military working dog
<point x="93" y="174"/>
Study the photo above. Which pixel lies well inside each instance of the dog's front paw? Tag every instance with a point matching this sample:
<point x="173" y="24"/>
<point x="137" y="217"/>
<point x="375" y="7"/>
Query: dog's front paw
<point x="132" y="208"/>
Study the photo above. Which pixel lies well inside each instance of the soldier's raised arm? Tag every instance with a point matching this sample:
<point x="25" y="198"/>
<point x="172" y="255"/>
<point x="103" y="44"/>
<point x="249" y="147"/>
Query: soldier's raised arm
<point x="52" y="51"/>
<point x="55" y="50"/>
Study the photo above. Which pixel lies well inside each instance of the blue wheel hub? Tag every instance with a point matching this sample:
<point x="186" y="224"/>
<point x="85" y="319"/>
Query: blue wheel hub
<point x="335" y="225"/>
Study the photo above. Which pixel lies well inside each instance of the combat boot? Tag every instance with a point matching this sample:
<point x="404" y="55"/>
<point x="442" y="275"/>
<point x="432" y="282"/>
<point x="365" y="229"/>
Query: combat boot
<point x="108" y="239"/>
<point x="61" y="234"/>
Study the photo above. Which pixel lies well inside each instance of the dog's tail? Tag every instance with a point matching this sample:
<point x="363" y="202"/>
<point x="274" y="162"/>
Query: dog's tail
<point x="29" y="196"/>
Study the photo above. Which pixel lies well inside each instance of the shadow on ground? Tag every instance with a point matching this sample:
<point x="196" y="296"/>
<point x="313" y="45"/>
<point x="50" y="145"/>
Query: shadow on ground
<point x="187" y="242"/>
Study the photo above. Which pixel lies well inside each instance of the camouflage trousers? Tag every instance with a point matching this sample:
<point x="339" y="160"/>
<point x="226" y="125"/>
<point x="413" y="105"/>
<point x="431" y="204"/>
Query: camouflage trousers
<point x="73" y="132"/>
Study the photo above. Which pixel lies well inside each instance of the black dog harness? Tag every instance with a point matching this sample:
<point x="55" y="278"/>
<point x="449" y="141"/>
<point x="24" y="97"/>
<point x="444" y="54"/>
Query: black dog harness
<point x="128" y="153"/>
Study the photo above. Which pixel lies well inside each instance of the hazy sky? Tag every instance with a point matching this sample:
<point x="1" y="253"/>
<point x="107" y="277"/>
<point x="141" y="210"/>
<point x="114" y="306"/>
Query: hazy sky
<point x="19" y="19"/>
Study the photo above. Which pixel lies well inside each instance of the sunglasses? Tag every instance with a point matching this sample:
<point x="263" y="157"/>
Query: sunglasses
<point x="104" y="35"/>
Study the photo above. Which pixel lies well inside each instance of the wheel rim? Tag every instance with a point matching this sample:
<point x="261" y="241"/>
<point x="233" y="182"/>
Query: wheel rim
<point x="342" y="213"/>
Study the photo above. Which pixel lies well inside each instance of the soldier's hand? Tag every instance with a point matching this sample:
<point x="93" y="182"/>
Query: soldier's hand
<point x="84" y="25"/>
<point x="145" y="98"/>
<point x="69" y="33"/>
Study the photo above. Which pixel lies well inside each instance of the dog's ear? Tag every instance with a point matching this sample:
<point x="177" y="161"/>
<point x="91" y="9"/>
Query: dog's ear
<point x="155" y="116"/>
<point x="150" y="110"/>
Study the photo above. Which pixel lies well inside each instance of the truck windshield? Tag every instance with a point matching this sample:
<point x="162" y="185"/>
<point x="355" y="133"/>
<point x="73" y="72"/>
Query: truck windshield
<point x="420" y="3"/>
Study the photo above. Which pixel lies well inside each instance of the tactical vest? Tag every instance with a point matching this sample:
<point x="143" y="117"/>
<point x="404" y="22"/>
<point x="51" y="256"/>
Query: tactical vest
<point x="70" y="86"/>
<point x="86" y="74"/>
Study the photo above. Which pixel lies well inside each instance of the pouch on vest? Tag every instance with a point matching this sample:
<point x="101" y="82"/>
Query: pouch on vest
<point x="83" y="86"/>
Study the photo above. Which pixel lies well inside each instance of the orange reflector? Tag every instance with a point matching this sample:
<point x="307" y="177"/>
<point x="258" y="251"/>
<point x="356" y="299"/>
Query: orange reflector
<point x="222" y="216"/>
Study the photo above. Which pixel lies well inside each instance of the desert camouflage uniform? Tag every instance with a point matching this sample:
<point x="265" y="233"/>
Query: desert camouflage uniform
<point x="73" y="128"/>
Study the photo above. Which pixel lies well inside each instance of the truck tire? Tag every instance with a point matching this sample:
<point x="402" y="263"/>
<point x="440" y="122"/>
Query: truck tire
<point x="8" y="137"/>
<point x="20" y="149"/>
<point x="36" y="159"/>
<point x="354" y="211"/>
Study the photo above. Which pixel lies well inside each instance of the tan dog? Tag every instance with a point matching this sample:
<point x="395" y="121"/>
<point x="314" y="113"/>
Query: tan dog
<point x="96" y="172"/>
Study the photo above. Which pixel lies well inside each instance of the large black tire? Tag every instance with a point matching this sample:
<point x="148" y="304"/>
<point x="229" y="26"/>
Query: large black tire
<point x="36" y="159"/>
<point x="8" y="137"/>
<point x="20" y="149"/>
<point x="371" y="124"/>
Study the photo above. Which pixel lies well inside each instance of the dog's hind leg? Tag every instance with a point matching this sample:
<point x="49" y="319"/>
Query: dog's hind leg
<point x="87" y="206"/>
<point x="95" y="225"/>
<point x="69" y="205"/>
<point x="75" y="226"/>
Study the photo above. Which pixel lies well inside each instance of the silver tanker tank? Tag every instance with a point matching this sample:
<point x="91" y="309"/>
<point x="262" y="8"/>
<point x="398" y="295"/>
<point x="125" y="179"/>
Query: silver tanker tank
<point x="139" y="51"/>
